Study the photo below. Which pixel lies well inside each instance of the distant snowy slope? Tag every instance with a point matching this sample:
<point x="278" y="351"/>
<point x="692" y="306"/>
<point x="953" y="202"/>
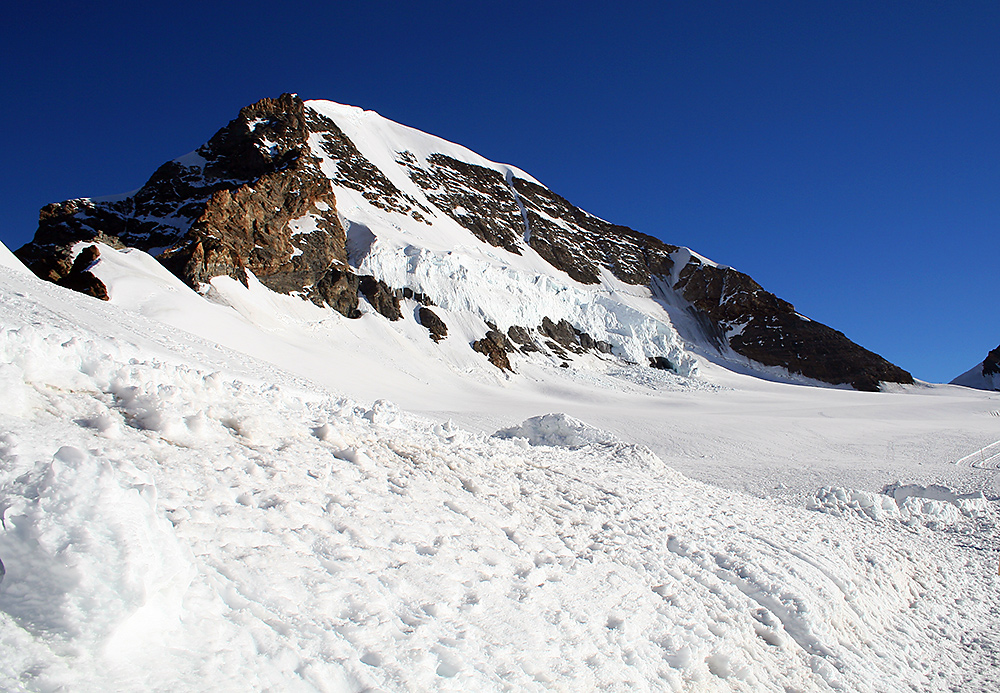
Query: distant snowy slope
<point x="181" y="516"/>
<point x="985" y="375"/>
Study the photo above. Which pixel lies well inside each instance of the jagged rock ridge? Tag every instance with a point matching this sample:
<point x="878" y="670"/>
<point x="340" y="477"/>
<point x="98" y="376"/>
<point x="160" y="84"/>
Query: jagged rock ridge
<point x="258" y="196"/>
<point x="982" y="376"/>
<point x="991" y="365"/>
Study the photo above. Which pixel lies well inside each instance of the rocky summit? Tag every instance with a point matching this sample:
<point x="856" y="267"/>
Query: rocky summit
<point x="307" y="197"/>
<point x="991" y="364"/>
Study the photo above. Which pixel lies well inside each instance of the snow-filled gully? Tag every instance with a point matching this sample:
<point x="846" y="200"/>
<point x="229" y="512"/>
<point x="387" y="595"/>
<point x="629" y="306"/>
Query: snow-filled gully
<point x="509" y="177"/>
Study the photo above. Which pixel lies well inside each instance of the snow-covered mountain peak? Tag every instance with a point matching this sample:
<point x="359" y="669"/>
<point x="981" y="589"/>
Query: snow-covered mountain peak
<point x="985" y="375"/>
<point x="331" y="203"/>
<point x="371" y="132"/>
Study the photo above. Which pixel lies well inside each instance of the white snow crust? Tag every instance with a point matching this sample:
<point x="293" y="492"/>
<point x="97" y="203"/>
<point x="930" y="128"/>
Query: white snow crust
<point x="201" y="508"/>
<point x="557" y="430"/>
<point x="934" y="506"/>
<point x="10" y="261"/>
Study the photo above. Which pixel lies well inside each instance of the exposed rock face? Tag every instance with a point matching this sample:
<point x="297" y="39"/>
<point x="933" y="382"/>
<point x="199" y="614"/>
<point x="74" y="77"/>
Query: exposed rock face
<point x="495" y="346"/>
<point x="252" y="198"/>
<point x="991" y="365"/>
<point x="420" y="298"/>
<point x="382" y="297"/>
<point x="580" y="243"/>
<point x="562" y="332"/>
<point x="557" y="339"/>
<point x="80" y="278"/>
<point x="338" y="289"/>
<point x="520" y="336"/>
<point x="768" y="330"/>
<point x="258" y="197"/>
<point x="478" y="198"/>
<point x="434" y="324"/>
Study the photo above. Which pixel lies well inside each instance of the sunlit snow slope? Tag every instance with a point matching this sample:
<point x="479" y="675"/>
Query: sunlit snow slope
<point x="179" y="515"/>
<point x="438" y="257"/>
<point x="980" y="378"/>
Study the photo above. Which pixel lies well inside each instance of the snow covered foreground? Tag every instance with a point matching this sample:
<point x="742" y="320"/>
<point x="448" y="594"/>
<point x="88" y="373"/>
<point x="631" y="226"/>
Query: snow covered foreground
<point x="179" y="516"/>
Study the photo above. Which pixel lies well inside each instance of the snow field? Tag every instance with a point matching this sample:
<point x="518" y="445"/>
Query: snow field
<point x="171" y="526"/>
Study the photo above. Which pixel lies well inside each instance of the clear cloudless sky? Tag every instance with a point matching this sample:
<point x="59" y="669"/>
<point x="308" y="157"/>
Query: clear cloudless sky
<point x="844" y="154"/>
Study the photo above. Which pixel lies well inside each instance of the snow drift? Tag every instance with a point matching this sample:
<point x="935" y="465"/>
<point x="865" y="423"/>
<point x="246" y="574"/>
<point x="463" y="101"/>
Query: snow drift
<point x="179" y="516"/>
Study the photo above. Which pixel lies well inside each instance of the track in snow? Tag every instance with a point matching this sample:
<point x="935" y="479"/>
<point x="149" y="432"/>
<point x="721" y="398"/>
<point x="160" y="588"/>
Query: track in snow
<point x="987" y="457"/>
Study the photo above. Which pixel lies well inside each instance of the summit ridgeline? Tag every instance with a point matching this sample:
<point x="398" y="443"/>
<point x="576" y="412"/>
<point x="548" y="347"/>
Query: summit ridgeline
<point x="304" y="195"/>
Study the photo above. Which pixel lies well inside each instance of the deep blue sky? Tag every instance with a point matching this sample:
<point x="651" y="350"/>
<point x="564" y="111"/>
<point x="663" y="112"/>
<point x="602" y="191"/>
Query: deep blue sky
<point x="844" y="154"/>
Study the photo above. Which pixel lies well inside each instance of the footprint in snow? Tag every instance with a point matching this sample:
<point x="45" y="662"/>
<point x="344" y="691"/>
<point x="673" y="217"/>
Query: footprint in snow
<point x="372" y="659"/>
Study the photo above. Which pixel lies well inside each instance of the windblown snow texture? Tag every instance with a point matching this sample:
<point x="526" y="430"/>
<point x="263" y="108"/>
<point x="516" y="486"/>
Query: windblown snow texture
<point x="181" y="516"/>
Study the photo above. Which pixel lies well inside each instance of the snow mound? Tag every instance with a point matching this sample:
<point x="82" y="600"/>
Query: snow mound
<point x="557" y="430"/>
<point x="932" y="506"/>
<point x="87" y="552"/>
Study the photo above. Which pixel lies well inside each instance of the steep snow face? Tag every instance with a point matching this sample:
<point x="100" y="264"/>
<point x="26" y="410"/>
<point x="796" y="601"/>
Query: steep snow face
<point x="382" y="140"/>
<point x="979" y="379"/>
<point x="508" y="295"/>
<point x="410" y="233"/>
<point x="8" y="260"/>
<point x="179" y="516"/>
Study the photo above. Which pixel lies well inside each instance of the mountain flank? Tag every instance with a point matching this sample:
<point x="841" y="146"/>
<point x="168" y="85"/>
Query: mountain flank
<point x="260" y="196"/>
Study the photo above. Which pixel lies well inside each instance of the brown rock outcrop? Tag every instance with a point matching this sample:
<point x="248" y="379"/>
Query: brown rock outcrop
<point x="252" y="198"/>
<point x="495" y="346"/>
<point x="382" y="298"/>
<point x="434" y="324"/>
<point x="80" y="278"/>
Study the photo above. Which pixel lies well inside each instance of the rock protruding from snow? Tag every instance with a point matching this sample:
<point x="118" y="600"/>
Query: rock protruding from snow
<point x="771" y="332"/>
<point x="434" y="324"/>
<point x="80" y="278"/>
<point x="495" y="347"/>
<point x="991" y="366"/>
<point x="252" y="198"/>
